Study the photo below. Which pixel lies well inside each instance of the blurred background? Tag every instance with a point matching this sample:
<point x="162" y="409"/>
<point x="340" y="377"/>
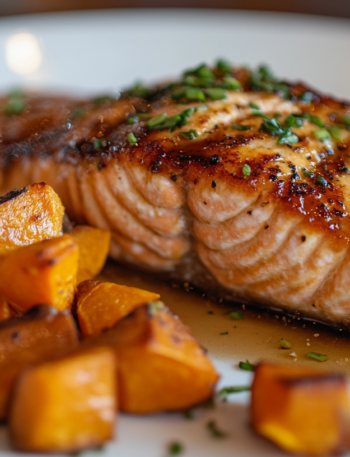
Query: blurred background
<point x="337" y="8"/>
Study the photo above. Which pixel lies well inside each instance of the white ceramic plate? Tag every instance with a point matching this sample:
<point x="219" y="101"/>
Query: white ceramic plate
<point x="104" y="50"/>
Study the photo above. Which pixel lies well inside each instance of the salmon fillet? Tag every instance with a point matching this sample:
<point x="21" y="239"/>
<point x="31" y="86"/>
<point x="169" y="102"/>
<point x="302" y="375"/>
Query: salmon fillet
<point x="228" y="179"/>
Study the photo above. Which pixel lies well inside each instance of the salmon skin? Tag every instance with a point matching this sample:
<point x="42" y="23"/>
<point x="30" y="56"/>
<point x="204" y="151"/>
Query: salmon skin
<point x="227" y="178"/>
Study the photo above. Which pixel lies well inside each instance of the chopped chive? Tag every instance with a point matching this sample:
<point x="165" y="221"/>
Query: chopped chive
<point x="322" y="135"/>
<point x="132" y="120"/>
<point x="224" y="333"/>
<point x="277" y="115"/>
<point x="143" y="116"/>
<point x="156" y="120"/>
<point x="293" y="121"/>
<point x="246" y="366"/>
<point x="287" y="137"/>
<point x="285" y="344"/>
<point x="231" y="83"/>
<point x="335" y="133"/>
<point x="200" y="108"/>
<point x="316" y="356"/>
<point x="98" y="143"/>
<point x="215" y="431"/>
<point x="346" y="119"/>
<point x="101" y="100"/>
<point x="272" y="126"/>
<point x="169" y="122"/>
<point x="236" y="315"/>
<point x="15" y="104"/>
<point x="241" y="127"/>
<point x="315" y="120"/>
<point x="175" y="448"/>
<point x="321" y="181"/>
<point x="307" y="96"/>
<point x="131" y="139"/>
<point x="246" y="170"/>
<point x="233" y="390"/>
<point x="254" y="106"/>
<point x="223" y="65"/>
<point x="190" y="135"/>
<point x="78" y="113"/>
<point x="216" y="93"/>
<point x="195" y="94"/>
<point x="308" y="173"/>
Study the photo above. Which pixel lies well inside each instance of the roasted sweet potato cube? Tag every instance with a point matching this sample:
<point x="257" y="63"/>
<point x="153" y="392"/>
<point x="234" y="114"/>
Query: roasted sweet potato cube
<point x="29" y="215"/>
<point x="65" y="405"/>
<point x="101" y="304"/>
<point x="41" y="334"/>
<point x="93" y="246"/>
<point x="304" y="411"/>
<point x="43" y="273"/>
<point x="161" y="367"/>
<point x="6" y="312"/>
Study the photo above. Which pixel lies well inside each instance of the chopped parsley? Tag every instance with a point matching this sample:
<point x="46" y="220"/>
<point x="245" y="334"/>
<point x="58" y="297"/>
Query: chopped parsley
<point x="246" y="366"/>
<point x="241" y="127"/>
<point x="190" y="135"/>
<point x="316" y="356"/>
<point x="175" y="448"/>
<point x="131" y="139"/>
<point x="215" y="431"/>
<point x="236" y="315"/>
<point x="287" y="137"/>
<point x="246" y="170"/>
<point x="285" y="344"/>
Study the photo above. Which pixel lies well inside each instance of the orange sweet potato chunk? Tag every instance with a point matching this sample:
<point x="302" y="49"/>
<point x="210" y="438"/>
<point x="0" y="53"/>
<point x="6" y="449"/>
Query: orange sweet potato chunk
<point x="66" y="405"/>
<point x="37" y="336"/>
<point x="93" y="246"/>
<point x="161" y="367"/>
<point x="101" y="304"/>
<point x="42" y="273"/>
<point x="29" y="215"/>
<point x="304" y="411"/>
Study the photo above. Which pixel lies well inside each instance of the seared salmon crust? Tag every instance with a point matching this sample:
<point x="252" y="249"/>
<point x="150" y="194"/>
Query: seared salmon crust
<point x="227" y="179"/>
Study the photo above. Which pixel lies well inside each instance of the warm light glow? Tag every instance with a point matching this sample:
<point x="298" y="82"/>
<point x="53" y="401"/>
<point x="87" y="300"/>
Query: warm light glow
<point x="23" y="54"/>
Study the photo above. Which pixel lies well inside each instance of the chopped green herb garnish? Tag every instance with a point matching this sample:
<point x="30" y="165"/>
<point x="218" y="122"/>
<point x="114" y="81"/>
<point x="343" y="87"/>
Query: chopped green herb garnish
<point x="236" y="315"/>
<point x="241" y="127"/>
<point x="98" y="143"/>
<point x="202" y="71"/>
<point x="246" y="366"/>
<point x="131" y="139"/>
<point x="322" y="135"/>
<point x="143" y="116"/>
<point x="315" y="120"/>
<point x="102" y="100"/>
<point x="15" y="103"/>
<point x="233" y="390"/>
<point x="231" y="83"/>
<point x="154" y="307"/>
<point x="215" y="431"/>
<point x="263" y="79"/>
<point x="189" y="414"/>
<point x="246" y="170"/>
<point x="216" y="93"/>
<point x="152" y="123"/>
<point x="335" y="133"/>
<point x="223" y="65"/>
<point x="308" y="173"/>
<point x="277" y="115"/>
<point x="272" y="126"/>
<point x="78" y="113"/>
<point x="321" y="181"/>
<point x="346" y="119"/>
<point x="316" y="356"/>
<point x="307" y="96"/>
<point x="293" y="121"/>
<point x="200" y="108"/>
<point x="254" y="106"/>
<point x="287" y="137"/>
<point x="194" y="94"/>
<point x="285" y="344"/>
<point x="190" y="135"/>
<point x="224" y="333"/>
<point x="175" y="448"/>
<point x="132" y="120"/>
<point x="139" y="90"/>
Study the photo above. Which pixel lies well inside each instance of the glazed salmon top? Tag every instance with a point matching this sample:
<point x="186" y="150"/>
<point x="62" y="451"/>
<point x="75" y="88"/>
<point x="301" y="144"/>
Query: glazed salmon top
<point x="231" y="126"/>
